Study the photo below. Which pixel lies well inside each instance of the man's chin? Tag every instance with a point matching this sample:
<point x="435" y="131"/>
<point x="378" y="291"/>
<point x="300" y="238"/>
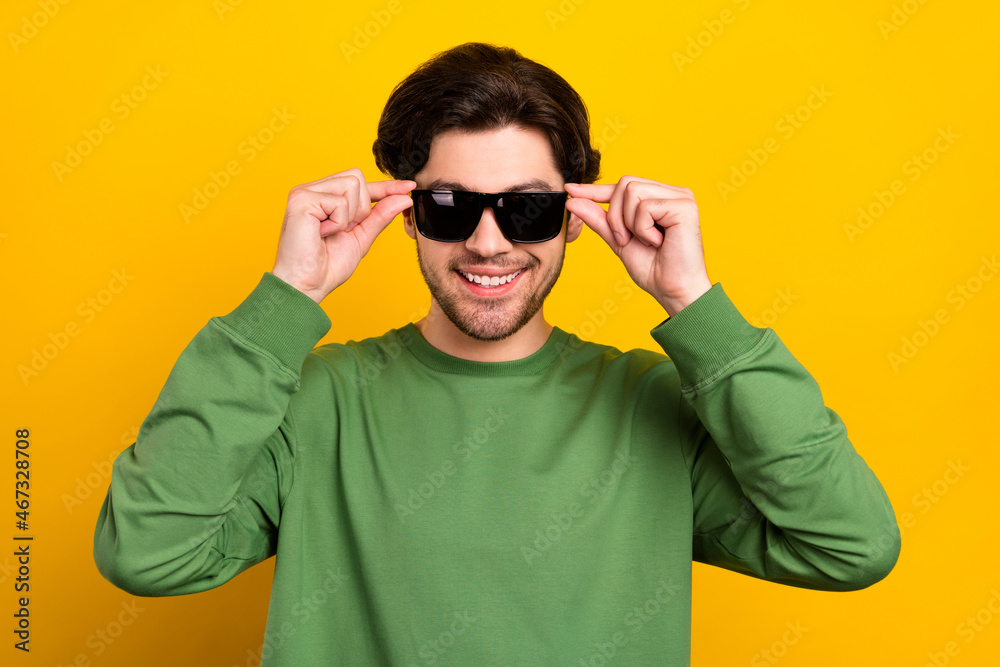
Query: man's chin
<point x="487" y="324"/>
<point x="489" y="318"/>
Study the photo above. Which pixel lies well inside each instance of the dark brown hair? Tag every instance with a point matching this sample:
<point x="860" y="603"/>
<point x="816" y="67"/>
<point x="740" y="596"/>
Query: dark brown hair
<point x="481" y="87"/>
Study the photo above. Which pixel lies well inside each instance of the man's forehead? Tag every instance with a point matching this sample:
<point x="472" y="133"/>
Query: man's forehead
<point x="521" y="185"/>
<point x="508" y="159"/>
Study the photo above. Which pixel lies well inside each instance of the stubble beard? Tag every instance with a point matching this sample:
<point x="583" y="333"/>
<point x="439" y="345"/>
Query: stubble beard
<point x="488" y="319"/>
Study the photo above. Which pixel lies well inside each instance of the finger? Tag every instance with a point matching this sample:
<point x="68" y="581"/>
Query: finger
<point x="601" y="192"/>
<point x="364" y="203"/>
<point x="326" y="183"/>
<point x="666" y="213"/>
<point x="381" y="215"/>
<point x="381" y="189"/>
<point x="354" y="186"/>
<point x="307" y="210"/>
<point x="353" y="181"/>
<point x="626" y="197"/>
<point x="331" y="211"/>
<point x="616" y="208"/>
<point x="595" y="217"/>
<point x="647" y="214"/>
<point x="348" y="185"/>
<point x="359" y="195"/>
<point x="636" y="193"/>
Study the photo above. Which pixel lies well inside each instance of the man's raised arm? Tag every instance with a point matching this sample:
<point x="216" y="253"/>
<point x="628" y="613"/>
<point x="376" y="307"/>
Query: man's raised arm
<point x="196" y="499"/>
<point x="779" y="491"/>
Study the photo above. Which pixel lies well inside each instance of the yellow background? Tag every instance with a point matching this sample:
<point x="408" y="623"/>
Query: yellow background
<point x="896" y="74"/>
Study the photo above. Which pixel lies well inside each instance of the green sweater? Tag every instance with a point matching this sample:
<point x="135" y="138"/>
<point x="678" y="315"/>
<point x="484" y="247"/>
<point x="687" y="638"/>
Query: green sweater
<point x="426" y="509"/>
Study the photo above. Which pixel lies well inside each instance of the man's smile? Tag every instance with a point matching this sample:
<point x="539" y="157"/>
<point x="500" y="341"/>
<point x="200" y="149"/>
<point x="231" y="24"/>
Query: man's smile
<point x="490" y="283"/>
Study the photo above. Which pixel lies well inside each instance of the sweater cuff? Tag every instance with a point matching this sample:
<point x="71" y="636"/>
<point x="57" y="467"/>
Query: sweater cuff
<point x="706" y="337"/>
<point x="280" y="320"/>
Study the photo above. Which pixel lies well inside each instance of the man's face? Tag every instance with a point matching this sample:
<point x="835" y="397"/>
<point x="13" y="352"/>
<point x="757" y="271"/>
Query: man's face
<point x="509" y="160"/>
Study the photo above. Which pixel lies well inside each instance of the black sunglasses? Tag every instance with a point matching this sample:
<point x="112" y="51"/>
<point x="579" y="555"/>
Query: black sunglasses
<point x="524" y="217"/>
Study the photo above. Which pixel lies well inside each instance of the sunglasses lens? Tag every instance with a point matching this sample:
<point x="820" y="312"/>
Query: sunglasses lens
<point x="452" y="215"/>
<point x="532" y="218"/>
<point x="444" y="215"/>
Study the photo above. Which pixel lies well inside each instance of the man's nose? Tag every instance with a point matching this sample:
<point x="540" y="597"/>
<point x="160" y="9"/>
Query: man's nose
<point x="487" y="240"/>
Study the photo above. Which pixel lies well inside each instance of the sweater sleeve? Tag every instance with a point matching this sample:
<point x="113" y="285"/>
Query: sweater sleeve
<point x="196" y="499"/>
<point x="779" y="491"/>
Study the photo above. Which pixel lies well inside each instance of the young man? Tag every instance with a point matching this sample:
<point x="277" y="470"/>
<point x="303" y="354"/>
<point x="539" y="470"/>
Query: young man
<point x="480" y="487"/>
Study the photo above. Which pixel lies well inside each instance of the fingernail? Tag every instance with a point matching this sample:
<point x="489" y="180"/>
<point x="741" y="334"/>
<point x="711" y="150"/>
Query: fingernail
<point x="620" y="238"/>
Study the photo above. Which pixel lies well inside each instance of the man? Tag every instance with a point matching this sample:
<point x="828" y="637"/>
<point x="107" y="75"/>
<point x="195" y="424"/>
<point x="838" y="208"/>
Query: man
<point x="480" y="487"/>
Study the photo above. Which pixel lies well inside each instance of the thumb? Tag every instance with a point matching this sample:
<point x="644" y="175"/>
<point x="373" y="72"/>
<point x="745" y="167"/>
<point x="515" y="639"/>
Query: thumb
<point x="381" y="215"/>
<point x="595" y="217"/>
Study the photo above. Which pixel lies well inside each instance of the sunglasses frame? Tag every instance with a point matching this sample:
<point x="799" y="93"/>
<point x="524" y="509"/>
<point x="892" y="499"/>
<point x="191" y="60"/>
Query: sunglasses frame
<point x="491" y="200"/>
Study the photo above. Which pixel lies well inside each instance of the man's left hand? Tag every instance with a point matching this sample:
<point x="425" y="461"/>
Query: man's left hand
<point x="669" y="265"/>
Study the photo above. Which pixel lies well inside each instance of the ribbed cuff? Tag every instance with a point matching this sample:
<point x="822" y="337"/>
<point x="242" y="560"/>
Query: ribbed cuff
<point x="706" y="336"/>
<point x="281" y="320"/>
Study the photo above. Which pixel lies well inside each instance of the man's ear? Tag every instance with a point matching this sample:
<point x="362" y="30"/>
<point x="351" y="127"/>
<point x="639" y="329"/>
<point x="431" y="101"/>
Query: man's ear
<point x="408" y="223"/>
<point x="573" y="227"/>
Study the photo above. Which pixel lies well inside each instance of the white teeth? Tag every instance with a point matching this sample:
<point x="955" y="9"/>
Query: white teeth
<point x="490" y="281"/>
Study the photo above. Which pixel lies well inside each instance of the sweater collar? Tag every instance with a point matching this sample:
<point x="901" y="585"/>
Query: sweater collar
<point x="411" y="338"/>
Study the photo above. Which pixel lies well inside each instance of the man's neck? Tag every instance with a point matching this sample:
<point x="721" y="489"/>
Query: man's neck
<point x="442" y="334"/>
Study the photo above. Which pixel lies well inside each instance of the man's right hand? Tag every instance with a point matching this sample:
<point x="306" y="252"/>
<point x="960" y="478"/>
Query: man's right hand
<point x="330" y="225"/>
